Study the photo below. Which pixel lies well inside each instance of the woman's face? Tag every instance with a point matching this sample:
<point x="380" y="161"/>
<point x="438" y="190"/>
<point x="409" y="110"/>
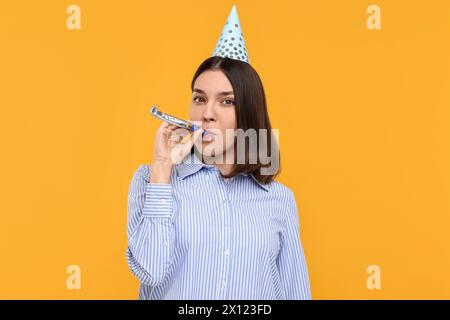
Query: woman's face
<point x="212" y="104"/>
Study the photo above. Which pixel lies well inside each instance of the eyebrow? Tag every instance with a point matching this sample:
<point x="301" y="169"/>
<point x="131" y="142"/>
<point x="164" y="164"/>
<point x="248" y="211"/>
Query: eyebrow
<point x="223" y="93"/>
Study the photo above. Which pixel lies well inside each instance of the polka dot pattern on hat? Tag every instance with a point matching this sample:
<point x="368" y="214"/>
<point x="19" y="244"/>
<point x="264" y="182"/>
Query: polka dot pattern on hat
<point x="231" y="41"/>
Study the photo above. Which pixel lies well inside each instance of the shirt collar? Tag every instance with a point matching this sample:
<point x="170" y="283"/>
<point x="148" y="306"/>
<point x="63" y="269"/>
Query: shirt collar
<point x="192" y="164"/>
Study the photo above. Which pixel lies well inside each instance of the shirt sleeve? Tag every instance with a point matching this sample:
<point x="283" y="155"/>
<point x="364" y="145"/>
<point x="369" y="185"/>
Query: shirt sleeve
<point x="291" y="259"/>
<point x="150" y="228"/>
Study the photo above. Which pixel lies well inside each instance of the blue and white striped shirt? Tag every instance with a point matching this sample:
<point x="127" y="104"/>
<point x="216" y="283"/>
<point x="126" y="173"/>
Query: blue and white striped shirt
<point x="203" y="238"/>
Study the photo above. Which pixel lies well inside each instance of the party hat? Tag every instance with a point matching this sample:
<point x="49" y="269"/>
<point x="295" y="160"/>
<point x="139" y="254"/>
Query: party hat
<point x="231" y="42"/>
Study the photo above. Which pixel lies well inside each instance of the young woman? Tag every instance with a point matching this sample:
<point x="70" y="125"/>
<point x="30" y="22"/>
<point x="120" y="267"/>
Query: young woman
<point x="202" y="230"/>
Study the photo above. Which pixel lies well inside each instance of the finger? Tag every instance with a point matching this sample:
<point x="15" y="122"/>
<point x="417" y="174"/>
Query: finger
<point x="174" y="137"/>
<point x="169" y="130"/>
<point x="182" y="131"/>
<point x="172" y="126"/>
<point x="166" y="125"/>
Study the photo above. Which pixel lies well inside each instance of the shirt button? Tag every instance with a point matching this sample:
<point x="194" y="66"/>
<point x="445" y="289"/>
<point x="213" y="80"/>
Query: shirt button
<point x="227" y="252"/>
<point x="224" y="283"/>
<point x="227" y="224"/>
<point x="225" y="200"/>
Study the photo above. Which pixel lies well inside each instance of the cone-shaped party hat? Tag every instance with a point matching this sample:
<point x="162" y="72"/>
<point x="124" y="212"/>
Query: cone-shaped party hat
<point x="231" y="41"/>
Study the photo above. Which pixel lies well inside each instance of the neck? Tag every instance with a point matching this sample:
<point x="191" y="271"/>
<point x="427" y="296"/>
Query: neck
<point x="225" y="168"/>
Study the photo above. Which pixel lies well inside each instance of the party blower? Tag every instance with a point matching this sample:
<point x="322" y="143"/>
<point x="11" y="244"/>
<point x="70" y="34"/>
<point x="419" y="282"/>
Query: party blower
<point x="175" y="121"/>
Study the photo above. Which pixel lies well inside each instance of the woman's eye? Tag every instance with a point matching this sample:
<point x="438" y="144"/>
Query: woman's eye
<point x="195" y="99"/>
<point x="230" y="101"/>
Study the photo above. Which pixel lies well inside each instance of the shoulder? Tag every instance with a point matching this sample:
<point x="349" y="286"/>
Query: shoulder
<point x="279" y="189"/>
<point x="285" y="197"/>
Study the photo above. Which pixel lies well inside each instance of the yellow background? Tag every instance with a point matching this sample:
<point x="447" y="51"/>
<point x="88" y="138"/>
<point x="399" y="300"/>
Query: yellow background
<point x="364" y="132"/>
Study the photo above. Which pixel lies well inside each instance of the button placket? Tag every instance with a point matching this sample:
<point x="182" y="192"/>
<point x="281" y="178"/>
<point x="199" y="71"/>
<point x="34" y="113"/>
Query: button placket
<point x="226" y="208"/>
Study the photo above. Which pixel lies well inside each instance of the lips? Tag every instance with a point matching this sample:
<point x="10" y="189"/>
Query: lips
<point x="208" y="136"/>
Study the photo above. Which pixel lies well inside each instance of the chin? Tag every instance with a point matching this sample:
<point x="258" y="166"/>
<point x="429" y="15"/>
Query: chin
<point x="208" y="153"/>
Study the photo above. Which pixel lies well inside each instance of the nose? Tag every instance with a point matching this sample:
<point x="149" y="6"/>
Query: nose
<point x="208" y="114"/>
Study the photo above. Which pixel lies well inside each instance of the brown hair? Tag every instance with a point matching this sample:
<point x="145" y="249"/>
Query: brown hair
<point x="250" y="107"/>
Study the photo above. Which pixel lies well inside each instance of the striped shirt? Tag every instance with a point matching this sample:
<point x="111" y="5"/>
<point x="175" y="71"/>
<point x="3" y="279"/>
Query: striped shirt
<point x="200" y="237"/>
